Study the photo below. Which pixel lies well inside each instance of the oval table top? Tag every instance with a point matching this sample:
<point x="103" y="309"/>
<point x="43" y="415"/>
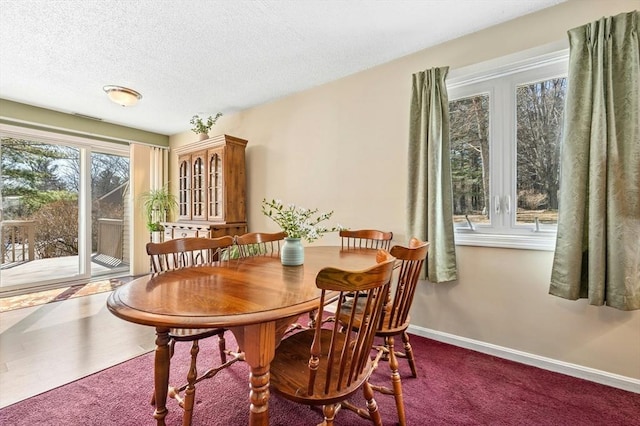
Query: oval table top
<point x="237" y="292"/>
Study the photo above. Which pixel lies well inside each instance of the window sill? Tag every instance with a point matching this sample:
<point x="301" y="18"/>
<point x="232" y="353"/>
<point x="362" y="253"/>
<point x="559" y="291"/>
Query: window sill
<point x="545" y="241"/>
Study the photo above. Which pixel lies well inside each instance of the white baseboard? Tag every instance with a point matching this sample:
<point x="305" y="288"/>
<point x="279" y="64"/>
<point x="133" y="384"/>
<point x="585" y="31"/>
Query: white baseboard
<point x="574" y="370"/>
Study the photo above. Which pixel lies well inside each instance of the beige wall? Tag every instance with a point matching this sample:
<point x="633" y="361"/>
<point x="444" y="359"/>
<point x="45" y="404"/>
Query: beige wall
<point x="343" y="146"/>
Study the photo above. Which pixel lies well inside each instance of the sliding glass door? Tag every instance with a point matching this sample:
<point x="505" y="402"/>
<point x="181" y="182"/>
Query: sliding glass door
<point x="63" y="209"/>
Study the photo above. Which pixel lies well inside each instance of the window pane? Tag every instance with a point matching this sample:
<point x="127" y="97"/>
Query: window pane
<point x="109" y="214"/>
<point x="540" y="108"/>
<point x="469" y="124"/>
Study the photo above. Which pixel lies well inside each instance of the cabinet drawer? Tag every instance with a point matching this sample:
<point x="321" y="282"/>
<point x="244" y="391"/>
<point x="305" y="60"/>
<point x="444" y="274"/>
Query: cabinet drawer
<point x="202" y="229"/>
<point x="190" y="233"/>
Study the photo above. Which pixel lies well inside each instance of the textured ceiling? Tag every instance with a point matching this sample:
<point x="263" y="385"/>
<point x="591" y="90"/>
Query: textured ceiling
<point x="204" y="56"/>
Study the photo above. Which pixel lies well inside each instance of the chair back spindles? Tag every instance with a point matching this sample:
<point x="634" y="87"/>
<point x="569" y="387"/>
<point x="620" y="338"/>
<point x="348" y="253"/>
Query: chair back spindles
<point x="184" y="252"/>
<point x="260" y="244"/>
<point x="366" y="238"/>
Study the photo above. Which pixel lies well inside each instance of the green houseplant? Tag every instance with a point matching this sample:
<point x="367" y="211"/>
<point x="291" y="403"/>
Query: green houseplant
<point x="202" y="127"/>
<point x="300" y="224"/>
<point x="158" y="205"/>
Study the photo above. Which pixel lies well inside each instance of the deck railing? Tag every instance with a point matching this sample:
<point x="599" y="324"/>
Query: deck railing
<point x="110" y="237"/>
<point x="18" y="240"/>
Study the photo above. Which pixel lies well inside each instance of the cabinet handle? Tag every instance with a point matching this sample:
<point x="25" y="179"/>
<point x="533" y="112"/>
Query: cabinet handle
<point x="184" y="235"/>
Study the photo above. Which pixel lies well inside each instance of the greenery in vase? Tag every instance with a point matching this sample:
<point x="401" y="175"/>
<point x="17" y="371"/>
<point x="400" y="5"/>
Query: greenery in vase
<point x="201" y="126"/>
<point x="298" y="222"/>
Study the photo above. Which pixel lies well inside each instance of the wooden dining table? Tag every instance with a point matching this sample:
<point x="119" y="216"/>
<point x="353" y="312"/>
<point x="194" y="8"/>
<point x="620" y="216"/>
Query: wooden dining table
<point x="256" y="298"/>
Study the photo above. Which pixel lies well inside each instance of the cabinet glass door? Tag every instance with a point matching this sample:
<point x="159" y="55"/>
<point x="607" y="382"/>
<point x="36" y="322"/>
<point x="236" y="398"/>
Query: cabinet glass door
<point x="184" y="189"/>
<point x="198" y="189"/>
<point x="215" y="186"/>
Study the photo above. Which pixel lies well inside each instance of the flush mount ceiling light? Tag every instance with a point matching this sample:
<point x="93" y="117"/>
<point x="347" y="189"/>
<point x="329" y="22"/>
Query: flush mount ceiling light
<point x="122" y="95"/>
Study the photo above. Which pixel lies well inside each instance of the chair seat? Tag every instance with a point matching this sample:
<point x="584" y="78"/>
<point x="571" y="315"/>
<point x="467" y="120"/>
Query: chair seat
<point x="385" y="328"/>
<point x="190" y="334"/>
<point x="290" y="370"/>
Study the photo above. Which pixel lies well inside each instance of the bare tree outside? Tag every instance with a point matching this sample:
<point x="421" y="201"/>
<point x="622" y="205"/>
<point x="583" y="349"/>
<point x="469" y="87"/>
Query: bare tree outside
<point x="469" y="135"/>
<point x="539" y="120"/>
<point x="540" y="109"/>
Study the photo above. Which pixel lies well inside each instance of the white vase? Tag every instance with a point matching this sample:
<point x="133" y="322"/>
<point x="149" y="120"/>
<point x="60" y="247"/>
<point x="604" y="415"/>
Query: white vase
<point x="203" y="136"/>
<point x="156" y="236"/>
<point x="292" y="252"/>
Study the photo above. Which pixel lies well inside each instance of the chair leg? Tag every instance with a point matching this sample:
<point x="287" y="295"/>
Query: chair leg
<point x="396" y="382"/>
<point x="190" y="392"/>
<point x="222" y="346"/>
<point x="329" y="412"/>
<point x="313" y="317"/>
<point x="311" y="324"/>
<point x="189" y="389"/>
<point x="372" y="405"/>
<point x="172" y="344"/>
<point x="409" y="354"/>
<point x="188" y="401"/>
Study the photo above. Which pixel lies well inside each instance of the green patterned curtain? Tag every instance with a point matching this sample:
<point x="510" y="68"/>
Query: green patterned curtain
<point x="430" y="205"/>
<point x="598" y="245"/>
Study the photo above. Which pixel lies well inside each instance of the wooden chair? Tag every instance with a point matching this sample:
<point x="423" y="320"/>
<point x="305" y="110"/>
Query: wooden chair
<point x="395" y="316"/>
<point x="324" y="366"/>
<point x="366" y="238"/>
<point x="265" y="244"/>
<point x="181" y="253"/>
<point x="260" y="244"/>
<point x="184" y="252"/>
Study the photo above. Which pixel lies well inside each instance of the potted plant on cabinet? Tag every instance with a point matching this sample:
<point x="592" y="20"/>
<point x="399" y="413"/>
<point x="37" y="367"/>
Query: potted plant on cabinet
<point x="201" y="127"/>
<point x="158" y="204"/>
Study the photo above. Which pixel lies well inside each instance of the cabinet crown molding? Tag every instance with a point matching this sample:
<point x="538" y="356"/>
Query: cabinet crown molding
<point x="212" y="142"/>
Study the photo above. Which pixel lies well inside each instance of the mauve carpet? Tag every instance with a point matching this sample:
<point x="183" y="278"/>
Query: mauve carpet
<point x="455" y="387"/>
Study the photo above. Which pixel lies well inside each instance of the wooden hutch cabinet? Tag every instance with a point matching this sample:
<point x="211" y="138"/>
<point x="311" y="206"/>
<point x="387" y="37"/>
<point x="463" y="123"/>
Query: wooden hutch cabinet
<point x="211" y="189"/>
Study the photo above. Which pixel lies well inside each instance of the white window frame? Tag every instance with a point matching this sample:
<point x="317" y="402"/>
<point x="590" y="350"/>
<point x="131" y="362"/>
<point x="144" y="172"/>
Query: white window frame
<point x="499" y="78"/>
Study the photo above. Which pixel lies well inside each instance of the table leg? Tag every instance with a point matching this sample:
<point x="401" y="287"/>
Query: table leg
<point x="161" y="374"/>
<point x="259" y="396"/>
<point x="258" y="342"/>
